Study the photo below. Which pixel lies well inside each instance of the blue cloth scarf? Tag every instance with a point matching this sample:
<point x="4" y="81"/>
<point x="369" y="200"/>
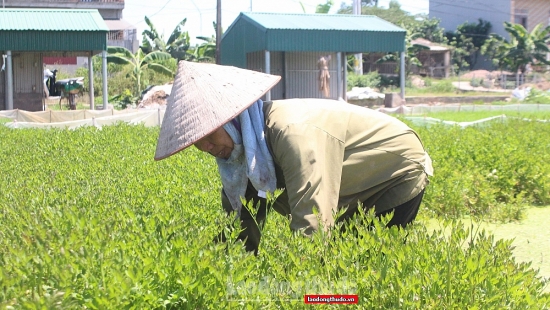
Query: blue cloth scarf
<point x="250" y="158"/>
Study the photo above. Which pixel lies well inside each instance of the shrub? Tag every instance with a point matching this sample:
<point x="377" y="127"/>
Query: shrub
<point x="476" y="82"/>
<point x="389" y="81"/>
<point x="480" y="169"/>
<point x="537" y="96"/>
<point x="442" y="86"/>
<point x="428" y="82"/>
<point x="371" y="79"/>
<point x="123" y="100"/>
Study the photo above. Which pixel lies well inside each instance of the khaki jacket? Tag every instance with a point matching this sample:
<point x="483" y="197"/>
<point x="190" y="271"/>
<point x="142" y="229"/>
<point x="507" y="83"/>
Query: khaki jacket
<point x="330" y="154"/>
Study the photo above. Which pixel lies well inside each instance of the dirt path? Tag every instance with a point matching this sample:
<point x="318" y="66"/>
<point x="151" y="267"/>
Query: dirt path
<point x="531" y="237"/>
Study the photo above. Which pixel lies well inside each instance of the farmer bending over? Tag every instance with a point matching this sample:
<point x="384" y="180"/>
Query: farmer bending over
<point x="326" y="154"/>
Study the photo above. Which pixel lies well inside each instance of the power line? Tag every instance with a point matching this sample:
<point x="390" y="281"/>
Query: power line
<point x="165" y="4"/>
<point x="473" y="8"/>
<point x="161" y="8"/>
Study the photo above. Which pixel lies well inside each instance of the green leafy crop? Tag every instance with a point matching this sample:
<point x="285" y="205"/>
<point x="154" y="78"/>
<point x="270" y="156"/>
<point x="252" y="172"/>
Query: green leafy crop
<point x="88" y="220"/>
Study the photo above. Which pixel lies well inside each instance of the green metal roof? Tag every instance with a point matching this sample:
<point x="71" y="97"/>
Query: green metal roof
<point x="340" y="22"/>
<point x="52" y="30"/>
<point x="253" y="31"/>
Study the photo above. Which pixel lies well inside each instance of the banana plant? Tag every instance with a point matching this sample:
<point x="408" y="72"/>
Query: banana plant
<point x="205" y="52"/>
<point x="177" y="44"/>
<point x="139" y="62"/>
<point x="525" y="47"/>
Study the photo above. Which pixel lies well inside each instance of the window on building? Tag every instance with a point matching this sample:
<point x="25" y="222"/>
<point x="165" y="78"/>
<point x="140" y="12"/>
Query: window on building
<point x="520" y="17"/>
<point x="116" y="35"/>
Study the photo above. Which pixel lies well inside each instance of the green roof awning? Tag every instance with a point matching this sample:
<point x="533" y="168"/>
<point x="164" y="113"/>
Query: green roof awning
<point x="251" y="32"/>
<point x="52" y="30"/>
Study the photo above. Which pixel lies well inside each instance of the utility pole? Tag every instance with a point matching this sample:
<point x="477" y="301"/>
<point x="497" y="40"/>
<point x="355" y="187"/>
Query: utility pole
<point x="358" y="57"/>
<point x="218" y="30"/>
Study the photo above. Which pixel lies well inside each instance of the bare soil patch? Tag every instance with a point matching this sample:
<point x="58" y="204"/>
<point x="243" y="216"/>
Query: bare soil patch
<point x="159" y="97"/>
<point x="484" y="74"/>
<point x="544" y="85"/>
<point x="478" y="74"/>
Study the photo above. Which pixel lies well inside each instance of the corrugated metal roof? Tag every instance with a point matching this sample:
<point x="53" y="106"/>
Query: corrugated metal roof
<point x="51" y="20"/>
<point x="251" y="32"/>
<point x="52" y="30"/>
<point x="344" y="22"/>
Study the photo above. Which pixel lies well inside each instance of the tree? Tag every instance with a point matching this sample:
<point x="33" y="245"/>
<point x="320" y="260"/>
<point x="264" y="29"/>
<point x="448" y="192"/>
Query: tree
<point x="393" y="14"/>
<point x="177" y="44"/>
<point x="460" y="51"/>
<point x="323" y="8"/>
<point x="525" y="48"/>
<point x="205" y="52"/>
<point x="492" y="49"/>
<point x="470" y="37"/>
<point x="411" y="51"/>
<point x="139" y="63"/>
<point x="428" y="28"/>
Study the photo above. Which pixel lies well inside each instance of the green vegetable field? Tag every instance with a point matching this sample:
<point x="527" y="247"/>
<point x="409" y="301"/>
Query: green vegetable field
<point x="88" y="220"/>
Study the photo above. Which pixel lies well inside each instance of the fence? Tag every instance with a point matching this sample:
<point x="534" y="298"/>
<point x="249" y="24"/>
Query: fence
<point x="503" y="80"/>
<point x="425" y="109"/>
<point x="154" y="117"/>
<point x="411" y="112"/>
<point x="78" y="118"/>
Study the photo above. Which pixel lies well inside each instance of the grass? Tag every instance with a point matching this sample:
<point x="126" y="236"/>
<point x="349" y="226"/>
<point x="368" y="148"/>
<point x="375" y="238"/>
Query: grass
<point x="530" y="239"/>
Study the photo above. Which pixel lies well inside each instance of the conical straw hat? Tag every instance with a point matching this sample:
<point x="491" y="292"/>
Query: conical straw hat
<point x="203" y="98"/>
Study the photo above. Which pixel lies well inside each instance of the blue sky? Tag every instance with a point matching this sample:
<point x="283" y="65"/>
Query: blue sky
<point x="166" y="14"/>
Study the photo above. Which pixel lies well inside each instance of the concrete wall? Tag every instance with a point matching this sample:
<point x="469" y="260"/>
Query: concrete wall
<point x="107" y="9"/>
<point x="110" y="13"/>
<point x="81" y="62"/>
<point x="455" y="12"/>
<point x="537" y="11"/>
